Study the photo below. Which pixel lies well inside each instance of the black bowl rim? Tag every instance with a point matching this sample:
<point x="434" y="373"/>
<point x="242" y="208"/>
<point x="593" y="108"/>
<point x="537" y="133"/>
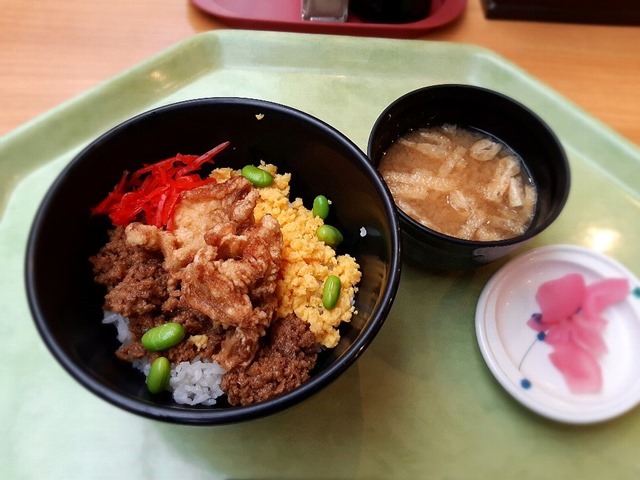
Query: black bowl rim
<point x="217" y="416"/>
<point x="530" y="232"/>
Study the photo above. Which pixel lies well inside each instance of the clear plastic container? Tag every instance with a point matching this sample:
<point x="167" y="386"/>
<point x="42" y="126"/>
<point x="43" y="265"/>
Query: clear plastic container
<point x="325" y="10"/>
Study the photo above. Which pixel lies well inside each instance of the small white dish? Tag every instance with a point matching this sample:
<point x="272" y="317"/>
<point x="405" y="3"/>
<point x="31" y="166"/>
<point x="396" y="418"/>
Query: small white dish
<point x="518" y="357"/>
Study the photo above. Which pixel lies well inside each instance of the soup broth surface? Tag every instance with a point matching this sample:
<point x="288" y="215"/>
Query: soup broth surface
<point x="460" y="182"/>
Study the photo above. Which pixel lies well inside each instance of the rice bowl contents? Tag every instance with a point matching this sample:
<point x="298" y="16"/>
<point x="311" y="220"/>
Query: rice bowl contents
<point x="242" y="270"/>
<point x="307" y="260"/>
<point x="460" y="182"/>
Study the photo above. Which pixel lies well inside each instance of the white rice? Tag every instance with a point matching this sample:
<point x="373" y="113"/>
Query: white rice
<point x="196" y="383"/>
<point x="122" y="324"/>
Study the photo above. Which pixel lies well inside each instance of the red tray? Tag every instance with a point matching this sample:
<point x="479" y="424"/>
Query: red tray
<point x="285" y="15"/>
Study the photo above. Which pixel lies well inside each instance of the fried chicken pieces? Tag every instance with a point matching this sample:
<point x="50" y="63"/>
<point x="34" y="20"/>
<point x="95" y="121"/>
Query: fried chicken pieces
<point x="216" y="273"/>
<point x="226" y="263"/>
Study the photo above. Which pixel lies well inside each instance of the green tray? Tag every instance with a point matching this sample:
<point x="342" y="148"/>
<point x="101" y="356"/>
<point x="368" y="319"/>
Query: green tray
<point x="420" y="403"/>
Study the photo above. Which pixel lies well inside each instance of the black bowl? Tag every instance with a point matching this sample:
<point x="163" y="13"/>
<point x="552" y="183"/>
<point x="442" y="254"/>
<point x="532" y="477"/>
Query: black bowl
<point x="499" y="116"/>
<point x="67" y="305"/>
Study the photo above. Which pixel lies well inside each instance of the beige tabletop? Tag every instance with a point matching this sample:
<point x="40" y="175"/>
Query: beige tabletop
<point x="52" y="51"/>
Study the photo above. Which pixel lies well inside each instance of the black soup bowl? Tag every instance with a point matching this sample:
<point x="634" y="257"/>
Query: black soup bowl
<point x="499" y="116"/>
<point x="67" y="304"/>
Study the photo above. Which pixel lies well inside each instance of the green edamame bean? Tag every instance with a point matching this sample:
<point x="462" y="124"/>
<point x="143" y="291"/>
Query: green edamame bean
<point x="320" y="207"/>
<point x="331" y="292"/>
<point x="162" y="337"/>
<point x="159" y="373"/>
<point x="257" y="176"/>
<point x="329" y="235"/>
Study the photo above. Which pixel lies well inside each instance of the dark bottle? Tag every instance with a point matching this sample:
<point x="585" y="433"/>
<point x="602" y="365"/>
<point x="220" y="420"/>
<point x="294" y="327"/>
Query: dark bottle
<point x="390" y="11"/>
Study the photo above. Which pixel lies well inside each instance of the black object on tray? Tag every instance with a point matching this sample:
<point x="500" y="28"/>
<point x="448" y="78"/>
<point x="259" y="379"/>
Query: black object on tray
<point x="390" y="11"/>
<point x="620" y="12"/>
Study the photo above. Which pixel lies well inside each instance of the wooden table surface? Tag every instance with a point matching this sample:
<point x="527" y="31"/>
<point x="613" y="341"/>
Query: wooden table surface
<point x="53" y="51"/>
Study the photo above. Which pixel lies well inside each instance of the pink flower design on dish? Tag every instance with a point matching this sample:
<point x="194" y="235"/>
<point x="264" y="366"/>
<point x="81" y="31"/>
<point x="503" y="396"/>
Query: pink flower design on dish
<point x="571" y="321"/>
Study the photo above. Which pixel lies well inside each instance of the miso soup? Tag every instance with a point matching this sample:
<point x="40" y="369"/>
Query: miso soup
<point x="460" y="182"/>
